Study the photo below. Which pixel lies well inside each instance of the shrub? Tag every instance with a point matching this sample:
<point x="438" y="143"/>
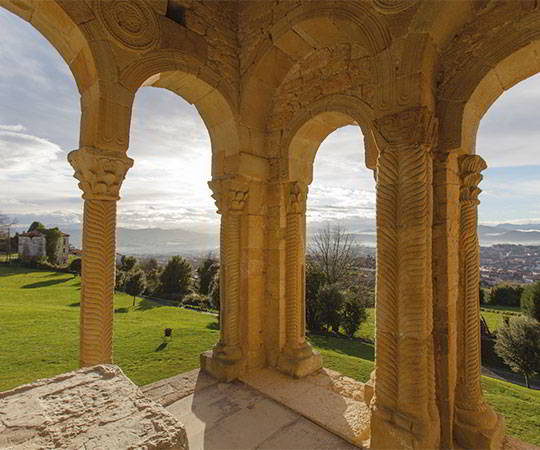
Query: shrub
<point x="195" y="299"/>
<point x="76" y="266"/>
<point x="530" y="301"/>
<point x="354" y="313"/>
<point x="518" y="344"/>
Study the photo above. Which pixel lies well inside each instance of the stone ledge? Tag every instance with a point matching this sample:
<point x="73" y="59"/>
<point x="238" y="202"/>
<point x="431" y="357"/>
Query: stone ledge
<point x="329" y="399"/>
<point x="93" y="407"/>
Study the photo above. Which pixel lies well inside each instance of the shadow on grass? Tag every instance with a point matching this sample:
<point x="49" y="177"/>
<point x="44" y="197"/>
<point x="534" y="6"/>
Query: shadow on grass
<point x="351" y="347"/>
<point x="161" y="346"/>
<point x="41" y="284"/>
<point x="121" y="310"/>
<point x="75" y="305"/>
<point x="213" y="326"/>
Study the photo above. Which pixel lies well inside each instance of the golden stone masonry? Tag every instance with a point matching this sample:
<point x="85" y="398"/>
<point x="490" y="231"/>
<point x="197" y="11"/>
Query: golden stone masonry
<point x="272" y="79"/>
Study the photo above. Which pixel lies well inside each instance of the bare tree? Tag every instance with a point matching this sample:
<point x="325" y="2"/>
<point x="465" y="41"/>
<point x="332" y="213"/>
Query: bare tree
<point x="331" y="251"/>
<point x="5" y="232"/>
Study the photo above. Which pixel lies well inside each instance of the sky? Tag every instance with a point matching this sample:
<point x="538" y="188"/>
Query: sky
<point x="166" y="188"/>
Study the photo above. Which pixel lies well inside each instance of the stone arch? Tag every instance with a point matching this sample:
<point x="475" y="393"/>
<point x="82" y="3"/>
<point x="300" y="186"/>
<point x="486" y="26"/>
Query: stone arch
<point x="187" y="77"/>
<point x="62" y="30"/>
<point x="303" y="30"/>
<point x="470" y="82"/>
<point x="310" y="128"/>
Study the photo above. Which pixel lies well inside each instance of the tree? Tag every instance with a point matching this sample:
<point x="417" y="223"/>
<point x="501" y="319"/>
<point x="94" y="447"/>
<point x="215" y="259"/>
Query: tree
<point x="206" y="272"/>
<point x="506" y="295"/>
<point x="214" y="292"/>
<point x="148" y="265"/>
<point x="135" y="283"/>
<point x="128" y="263"/>
<point x="530" y="301"/>
<point x="482" y="296"/>
<point x="332" y="252"/>
<point x="331" y="300"/>
<point x="36" y="226"/>
<point x="120" y="280"/>
<point x="53" y="244"/>
<point x="175" y="279"/>
<point x="314" y="280"/>
<point x="354" y="313"/>
<point x="518" y="344"/>
<point x="76" y="266"/>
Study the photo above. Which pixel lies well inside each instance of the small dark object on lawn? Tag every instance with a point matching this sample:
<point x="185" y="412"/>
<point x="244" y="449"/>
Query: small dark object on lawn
<point x="168" y="332"/>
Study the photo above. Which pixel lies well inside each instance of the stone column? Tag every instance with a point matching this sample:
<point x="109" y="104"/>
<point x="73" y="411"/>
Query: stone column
<point x="227" y="361"/>
<point x="404" y="413"/>
<point x="476" y="425"/>
<point x="297" y="358"/>
<point x="100" y="174"/>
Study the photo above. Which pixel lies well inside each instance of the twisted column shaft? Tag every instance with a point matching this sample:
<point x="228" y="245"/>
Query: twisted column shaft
<point x="404" y="409"/>
<point x="100" y="174"/>
<point x="472" y="414"/>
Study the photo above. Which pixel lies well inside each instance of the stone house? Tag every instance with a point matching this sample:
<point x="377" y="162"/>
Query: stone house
<point x="33" y="245"/>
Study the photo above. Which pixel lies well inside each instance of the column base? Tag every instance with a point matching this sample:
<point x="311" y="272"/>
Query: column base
<point x="392" y="430"/>
<point x="223" y="363"/>
<point x="299" y="362"/>
<point x="477" y="435"/>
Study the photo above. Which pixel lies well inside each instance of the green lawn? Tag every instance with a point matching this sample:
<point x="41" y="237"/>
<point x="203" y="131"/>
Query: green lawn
<point x="39" y="333"/>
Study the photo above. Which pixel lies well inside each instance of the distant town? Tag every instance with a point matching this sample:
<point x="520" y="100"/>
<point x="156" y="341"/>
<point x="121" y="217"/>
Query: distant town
<point x="509" y="263"/>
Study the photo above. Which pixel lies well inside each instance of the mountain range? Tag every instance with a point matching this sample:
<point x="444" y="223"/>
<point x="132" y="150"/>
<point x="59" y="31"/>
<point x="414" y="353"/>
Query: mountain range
<point x="158" y="241"/>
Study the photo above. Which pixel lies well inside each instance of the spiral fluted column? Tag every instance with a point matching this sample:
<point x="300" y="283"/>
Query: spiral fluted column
<point x="404" y="413"/>
<point x="100" y="174"/>
<point x="476" y="425"/>
<point x="227" y="360"/>
<point x="297" y="358"/>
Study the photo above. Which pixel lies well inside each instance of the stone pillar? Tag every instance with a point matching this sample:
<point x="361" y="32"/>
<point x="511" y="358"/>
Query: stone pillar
<point x="227" y="361"/>
<point x="100" y="174"/>
<point x="476" y="425"/>
<point x="297" y="358"/>
<point x="404" y="413"/>
<point x="446" y="184"/>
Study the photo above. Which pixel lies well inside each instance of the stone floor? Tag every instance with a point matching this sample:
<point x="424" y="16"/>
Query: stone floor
<point x="236" y="416"/>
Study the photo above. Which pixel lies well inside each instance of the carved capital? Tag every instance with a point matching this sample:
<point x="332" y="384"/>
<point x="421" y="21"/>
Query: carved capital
<point x="297" y="198"/>
<point x="387" y="7"/>
<point x="470" y="167"/>
<point x="410" y="128"/>
<point x="100" y="173"/>
<point x="230" y="194"/>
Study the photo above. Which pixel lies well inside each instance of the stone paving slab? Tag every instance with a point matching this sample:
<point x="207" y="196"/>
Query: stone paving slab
<point x="234" y="416"/>
<point x="327" y="398"/>
<point x="91" y="408"/>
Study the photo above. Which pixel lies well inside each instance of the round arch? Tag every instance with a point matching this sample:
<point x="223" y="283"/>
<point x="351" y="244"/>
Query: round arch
<point x="310" y="128"/>
<point x="187" y="77"/>
<point x="297" y="35"/>
<point x="505" y="56"/>
<point x="57" y="26"/>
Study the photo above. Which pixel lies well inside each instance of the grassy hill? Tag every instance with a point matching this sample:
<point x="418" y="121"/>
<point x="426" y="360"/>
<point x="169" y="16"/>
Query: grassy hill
<point x="39" y="337"/>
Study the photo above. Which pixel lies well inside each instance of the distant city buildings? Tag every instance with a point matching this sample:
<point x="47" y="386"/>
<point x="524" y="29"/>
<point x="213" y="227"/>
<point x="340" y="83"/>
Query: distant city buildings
<point x="509" y="263"/>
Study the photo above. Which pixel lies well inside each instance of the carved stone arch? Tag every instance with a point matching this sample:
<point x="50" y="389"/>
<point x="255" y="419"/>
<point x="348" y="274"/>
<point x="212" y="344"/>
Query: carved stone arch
<point x="506" y="51"/>
<point x="300" y="141"/>
<point x="296" y="36"/>
<point x="60" y="25"/>
<point x="215" y="100"/>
